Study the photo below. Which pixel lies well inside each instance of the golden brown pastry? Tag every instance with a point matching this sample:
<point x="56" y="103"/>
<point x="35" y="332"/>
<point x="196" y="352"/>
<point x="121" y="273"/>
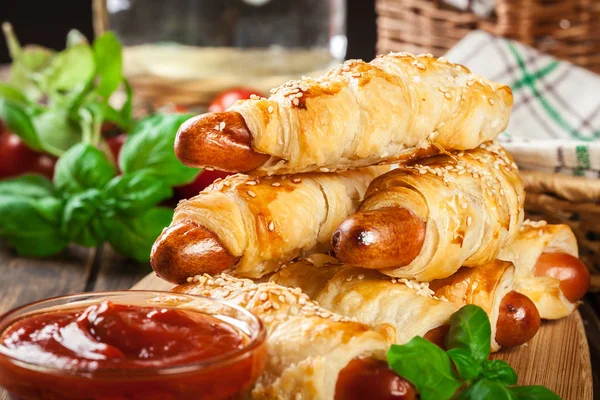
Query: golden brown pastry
<point x="513" y="317"/>
<point x="312" y="353"/>
<point x="395" y="108"/>
<point x="404" y="308"/>
<point x="426" y="220"/>
<point x="548" y="269"/>
<point x="250" y="226"/>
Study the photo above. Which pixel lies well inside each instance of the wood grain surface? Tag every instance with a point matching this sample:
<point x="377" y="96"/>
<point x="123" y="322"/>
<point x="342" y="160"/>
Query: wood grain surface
<point x="558" y="357"/>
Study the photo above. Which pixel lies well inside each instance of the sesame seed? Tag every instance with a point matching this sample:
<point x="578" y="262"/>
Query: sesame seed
<point x="361" y="276"/>
<point x="251" y="183"/>
<point x="268" y="319"/>
<point x="442" y="89"/>
<point x="295" y="102"/>
<point x="323" y="169"/>
<point x="251" y="193"/>
<point x="469" y="220"/>
<point x="222" y="126"/>
<point x="270" y="109"/>
<point x="276" y="184"/>
<point x="348" y="279"/>
<point x="296" y="180"/>
<point x="263" y="296"/>
<point x="209" y="168"/>
<point x="447" y="95"/>
<point x="271" y="226"/>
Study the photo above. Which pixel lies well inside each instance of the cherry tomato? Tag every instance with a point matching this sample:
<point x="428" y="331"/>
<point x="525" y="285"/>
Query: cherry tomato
<point x="203" y="180"/>
<point x="18" y="159"/>
<point x="228" y="97"/>
<point x="115" y="143"/>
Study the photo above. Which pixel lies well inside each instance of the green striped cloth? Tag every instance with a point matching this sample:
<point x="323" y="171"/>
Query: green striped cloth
<point x="555" y="123"/>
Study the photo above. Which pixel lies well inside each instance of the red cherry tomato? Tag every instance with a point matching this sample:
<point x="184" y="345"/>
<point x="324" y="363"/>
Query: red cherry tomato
<point x="203" y="180"/>
<point x="115" y="143"/>
<point x="228" y="97"/>
<point x="18" y="159"/>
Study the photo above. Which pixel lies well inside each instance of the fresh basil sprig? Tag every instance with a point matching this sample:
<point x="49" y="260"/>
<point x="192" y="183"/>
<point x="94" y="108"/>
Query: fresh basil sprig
<point x="463" y="371"/>
<point x="88" y="203"/>
<point x="56" y="100"/>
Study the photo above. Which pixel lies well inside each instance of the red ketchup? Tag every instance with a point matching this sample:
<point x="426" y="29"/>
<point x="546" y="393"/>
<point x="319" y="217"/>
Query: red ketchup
<point x="115" y="352"/>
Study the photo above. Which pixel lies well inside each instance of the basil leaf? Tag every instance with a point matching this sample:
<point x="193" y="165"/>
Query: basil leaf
<point x="69" y="69"/>
<point x="149" y="149"/>
<point x="467" y="367"/>
<point x="484" y="389"/>
<point x="127" y="109"/>
<point x="470" y="330"/>
<point x="499" y="371"/>
<point x="28" y="62"/>
<point x="109" y="63"/>
<point x="81" y="219"/>
<point x="56" y="132"/>
<point x="426" y="366"/>
<point x="18" y="121"/>
<point x="82" y="167"/>
<point x="135" y="236"/>
<point x="11" y="93"/>
<point x="32" y="225"/>
<point x="136" y="193"/>
<point x="32" y="186"/>
<point x="534" y="393"/>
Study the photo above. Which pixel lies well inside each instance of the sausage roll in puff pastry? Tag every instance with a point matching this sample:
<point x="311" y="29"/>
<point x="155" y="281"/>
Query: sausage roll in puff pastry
<point x="312" y="353"/>
<point x="250" y="226"/>
<point x="394" y="108"/>
<point x="548" y="269"/>
<point x="513" y="316"/>
<point x="404" y="308"/>
<point x="426" y="220"/>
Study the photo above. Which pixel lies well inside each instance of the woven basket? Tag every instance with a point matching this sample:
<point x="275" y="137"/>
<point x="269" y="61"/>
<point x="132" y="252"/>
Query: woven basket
<point x="567" y="29"/>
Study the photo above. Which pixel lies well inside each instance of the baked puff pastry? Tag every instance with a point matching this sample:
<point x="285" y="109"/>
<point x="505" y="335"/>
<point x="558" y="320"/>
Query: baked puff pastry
<point x="394" y="108"/>
<point x="250" y="226"/>
<point x="308" y="346"/>
<point x="426" y="220"/>
<point x="403" y="308"/>
<point x="513" y="317"/>
<point x="548" y="269"/>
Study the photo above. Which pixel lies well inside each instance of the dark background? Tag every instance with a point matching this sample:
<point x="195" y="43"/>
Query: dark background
<point x="48" y="22"/>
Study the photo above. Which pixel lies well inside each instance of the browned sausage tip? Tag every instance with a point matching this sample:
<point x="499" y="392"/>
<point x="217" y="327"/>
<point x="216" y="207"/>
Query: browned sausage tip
<point x="187" y="249"/>
<point x="518" y="320"/>
<point x="218" y="140"/>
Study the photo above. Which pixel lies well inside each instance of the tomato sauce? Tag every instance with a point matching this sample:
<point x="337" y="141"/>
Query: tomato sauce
<point x="115" y="352"/>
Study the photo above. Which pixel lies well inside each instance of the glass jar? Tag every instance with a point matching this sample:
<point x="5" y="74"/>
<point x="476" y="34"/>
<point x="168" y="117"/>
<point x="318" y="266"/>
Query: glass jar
<point x="188" y="50"/>
<point x="229" y="375"/>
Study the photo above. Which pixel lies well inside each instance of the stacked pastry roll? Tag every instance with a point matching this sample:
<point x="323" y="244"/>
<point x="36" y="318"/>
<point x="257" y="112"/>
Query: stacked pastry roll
<point x="411" y="244"/>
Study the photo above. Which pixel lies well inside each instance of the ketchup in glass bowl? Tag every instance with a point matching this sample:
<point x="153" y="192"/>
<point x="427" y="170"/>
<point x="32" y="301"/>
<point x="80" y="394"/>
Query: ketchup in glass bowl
<point x="130" y="345"/>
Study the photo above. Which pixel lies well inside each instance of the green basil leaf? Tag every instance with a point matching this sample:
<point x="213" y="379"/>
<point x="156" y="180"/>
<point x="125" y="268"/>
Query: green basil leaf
<point x="11" y="93"/>
<point x="82" y="217"/>
<point x="149" y="149"/>
<point x="32" y="186"/>
<point x="534" y="393"/>
<point x="69" y="69"/>
<point x="134" y="236"/>
<point x="426" y="366"/>
<point x="18" y="121"/>
<point x="470" y="330"/>
<point x="127" y="109"/>
<point x="499" y="371"/>
<point x="31" y="60"/>
<point x="484" y="389"/>
<point x="109" y="63"/>
<point x="32" y="225"/>
<point x="82" y="167"/>
<point x="56" y="132"/>
<point x="136" y="193"/>
<point x="467" y="367"/>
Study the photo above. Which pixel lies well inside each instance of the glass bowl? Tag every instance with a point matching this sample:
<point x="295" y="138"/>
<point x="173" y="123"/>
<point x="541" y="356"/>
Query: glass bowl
<point x="228" y="376"/>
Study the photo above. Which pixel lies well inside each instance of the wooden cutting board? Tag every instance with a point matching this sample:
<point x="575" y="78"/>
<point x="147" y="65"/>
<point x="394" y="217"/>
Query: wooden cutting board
<point x="558" y="357"/>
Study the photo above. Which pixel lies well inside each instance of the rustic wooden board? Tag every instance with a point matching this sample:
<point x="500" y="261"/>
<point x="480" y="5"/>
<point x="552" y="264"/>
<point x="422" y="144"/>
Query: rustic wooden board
<point x="558" y="357"/>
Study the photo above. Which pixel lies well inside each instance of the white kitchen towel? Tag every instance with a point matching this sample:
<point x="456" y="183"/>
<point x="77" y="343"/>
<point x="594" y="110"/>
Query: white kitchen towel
<point x="555" y="123"/>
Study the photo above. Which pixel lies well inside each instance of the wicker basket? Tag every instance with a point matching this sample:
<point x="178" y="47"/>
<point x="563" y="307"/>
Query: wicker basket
<point x="567" y="29"/>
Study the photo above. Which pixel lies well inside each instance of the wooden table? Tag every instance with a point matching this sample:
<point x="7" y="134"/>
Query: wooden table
<point x="80" y="270"/>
